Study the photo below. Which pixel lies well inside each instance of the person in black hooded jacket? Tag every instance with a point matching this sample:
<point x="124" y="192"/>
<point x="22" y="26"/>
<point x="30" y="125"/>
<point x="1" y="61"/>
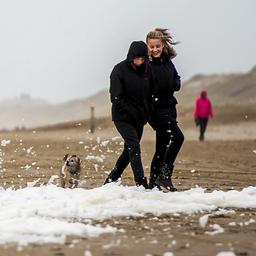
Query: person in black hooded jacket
<point x="169" y="137"/>
<point x="130" y="94"/>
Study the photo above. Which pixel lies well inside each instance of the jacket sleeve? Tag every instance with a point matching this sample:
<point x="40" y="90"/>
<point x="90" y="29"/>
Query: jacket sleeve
<point x="152" y="89"/>
<point x="196" y="111"/>
<point x="117" y="91"/>
<point x="177" y="83"/>
<point x="210" y="109"/>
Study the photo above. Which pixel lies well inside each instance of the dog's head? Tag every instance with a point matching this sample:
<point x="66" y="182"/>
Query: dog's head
<point x="72" y="162"/>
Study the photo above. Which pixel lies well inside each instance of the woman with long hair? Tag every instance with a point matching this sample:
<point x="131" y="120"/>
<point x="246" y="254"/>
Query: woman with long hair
<point x="166" y="81"/>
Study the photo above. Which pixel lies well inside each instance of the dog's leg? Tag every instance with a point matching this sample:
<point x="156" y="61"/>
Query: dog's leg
<point x="73" y="181"/>
<point x="76" y="179"/>
<point x="62" y="181"/>
<point x="63" y="170"/>
<point x="74" y="184"/>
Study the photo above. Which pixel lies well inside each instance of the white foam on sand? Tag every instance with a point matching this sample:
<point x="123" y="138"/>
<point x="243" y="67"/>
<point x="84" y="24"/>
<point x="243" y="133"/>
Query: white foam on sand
<point x="48" y="213"/>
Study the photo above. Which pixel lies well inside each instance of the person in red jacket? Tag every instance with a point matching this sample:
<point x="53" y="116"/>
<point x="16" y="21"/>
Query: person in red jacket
<point x="203" y="110"/>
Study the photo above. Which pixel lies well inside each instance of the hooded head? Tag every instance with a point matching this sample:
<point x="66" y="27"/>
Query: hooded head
<point x="203" y="94"/>
<point x="137" y="49"/>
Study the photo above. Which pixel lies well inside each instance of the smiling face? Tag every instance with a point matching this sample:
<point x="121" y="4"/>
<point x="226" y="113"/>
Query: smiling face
<point x="155" y="47"/>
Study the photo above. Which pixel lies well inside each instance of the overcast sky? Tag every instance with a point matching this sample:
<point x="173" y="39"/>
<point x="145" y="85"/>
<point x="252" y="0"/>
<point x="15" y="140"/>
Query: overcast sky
<point x="65" y="49"/>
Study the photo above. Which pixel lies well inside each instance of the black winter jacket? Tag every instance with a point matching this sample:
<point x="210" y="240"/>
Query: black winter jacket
<point x="130" y="88"/>
<point x="165" y="82"/>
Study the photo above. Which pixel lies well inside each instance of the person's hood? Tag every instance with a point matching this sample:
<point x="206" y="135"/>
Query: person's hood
<point x="137" y="49"/>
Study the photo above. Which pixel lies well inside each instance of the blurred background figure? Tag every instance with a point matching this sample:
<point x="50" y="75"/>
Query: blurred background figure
<point x="202" y="112"/>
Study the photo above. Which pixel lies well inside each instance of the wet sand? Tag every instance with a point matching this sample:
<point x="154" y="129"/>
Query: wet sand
<point x="225" y="161"/>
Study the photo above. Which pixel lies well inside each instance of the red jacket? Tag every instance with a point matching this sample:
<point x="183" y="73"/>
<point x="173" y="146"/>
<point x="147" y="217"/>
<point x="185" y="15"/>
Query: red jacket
<point x="203" y="106"/>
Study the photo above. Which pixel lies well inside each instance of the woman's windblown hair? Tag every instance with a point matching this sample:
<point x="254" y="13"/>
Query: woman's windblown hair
<point x="167" y="40"/>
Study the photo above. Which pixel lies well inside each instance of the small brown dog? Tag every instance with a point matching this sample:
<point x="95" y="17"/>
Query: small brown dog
<point x="70" y="171"/>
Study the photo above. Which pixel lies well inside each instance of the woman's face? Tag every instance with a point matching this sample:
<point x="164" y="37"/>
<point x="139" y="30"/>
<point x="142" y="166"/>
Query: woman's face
<point x="155" y="47"/>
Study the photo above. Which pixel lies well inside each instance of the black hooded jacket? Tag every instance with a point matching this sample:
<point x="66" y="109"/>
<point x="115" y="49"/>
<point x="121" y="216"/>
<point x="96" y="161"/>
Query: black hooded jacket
<point x="130" y="87"/>
<point x="165" y="81"/>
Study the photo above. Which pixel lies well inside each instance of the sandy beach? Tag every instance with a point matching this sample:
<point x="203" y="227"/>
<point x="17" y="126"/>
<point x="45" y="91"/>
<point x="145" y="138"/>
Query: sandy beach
<point x="225" y="161"/>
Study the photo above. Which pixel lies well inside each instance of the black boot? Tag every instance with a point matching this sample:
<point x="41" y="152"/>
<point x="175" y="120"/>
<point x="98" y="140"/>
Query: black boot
<point x="112" y="177"/>
<point x="142" y="182"/>
<point x="165" y="178"/>
<point x="152" y="182"/>
<point x="201" y="137"/>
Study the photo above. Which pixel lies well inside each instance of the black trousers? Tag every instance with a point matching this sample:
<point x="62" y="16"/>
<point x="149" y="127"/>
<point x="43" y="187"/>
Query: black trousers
<point x="131" y="153"/>
<point x="203" y="125"/>
<point x="169" y="140"/>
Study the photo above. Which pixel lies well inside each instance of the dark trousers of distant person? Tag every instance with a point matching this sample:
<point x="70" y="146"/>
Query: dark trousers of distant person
<point x="202" y="125"/>
<point x="169" y="140"/>
<point x="131" y="153"/>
